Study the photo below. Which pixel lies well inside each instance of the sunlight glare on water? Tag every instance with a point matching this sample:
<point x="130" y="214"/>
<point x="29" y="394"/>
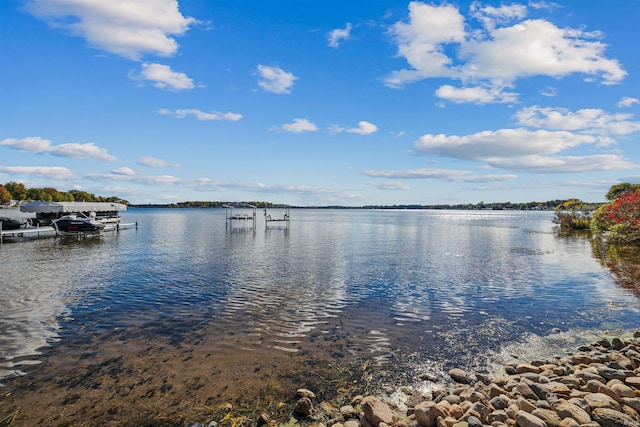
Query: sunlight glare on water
<point x="429" y="286"/>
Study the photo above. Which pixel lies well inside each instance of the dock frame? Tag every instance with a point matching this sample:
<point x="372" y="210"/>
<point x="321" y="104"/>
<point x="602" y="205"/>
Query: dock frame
<point x="280" y="221"/>
<point x="232" y="217"/>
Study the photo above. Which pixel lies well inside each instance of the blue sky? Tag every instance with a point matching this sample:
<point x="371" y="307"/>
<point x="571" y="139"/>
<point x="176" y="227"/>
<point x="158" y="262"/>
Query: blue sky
<point x="321" y="102"/>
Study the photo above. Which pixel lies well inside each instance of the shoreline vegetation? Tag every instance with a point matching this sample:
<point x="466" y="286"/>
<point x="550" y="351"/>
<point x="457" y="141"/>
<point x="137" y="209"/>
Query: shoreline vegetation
<point x="617" y="222"/>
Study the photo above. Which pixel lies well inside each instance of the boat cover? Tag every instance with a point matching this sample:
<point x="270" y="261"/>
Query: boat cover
<point x="71" y="207"/>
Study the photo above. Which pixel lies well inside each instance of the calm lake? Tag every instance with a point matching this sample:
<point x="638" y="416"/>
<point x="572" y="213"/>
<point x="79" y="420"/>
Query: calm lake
<point x="187" y="311"/>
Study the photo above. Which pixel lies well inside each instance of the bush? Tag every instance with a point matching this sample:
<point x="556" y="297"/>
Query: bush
<point x="572" y="215"/>
<point x="620" y="219"/>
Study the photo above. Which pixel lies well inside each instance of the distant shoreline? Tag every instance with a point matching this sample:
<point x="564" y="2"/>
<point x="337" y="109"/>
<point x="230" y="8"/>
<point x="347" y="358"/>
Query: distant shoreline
<point x="528" y="206"/>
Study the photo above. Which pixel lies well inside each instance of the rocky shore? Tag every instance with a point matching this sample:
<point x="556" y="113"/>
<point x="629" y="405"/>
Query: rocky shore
<point x="597" y="385"/>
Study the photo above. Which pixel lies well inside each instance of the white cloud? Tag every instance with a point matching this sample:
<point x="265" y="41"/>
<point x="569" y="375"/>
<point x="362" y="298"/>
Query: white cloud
<point x="124" y="171"/>
<point x="435" y="44"/>
<point x="627" y="101"/>
<point x="275" y="79"/>
<point x="53" y="172"/>
<point x="491" y="16"/>
<point x="455" y="175"/>
<point x="557" y="164"/>
<point x="39" y="145"/>
<point x="524" y="150"/>
<point x="163" y="77"/>
<point x="128" y="28"/>
<point x="588" y="120"/>
<point x="421" y="42"/>
<point x="152" y="162"/>
<point x="336" y="36"/>
<point x="537" y="47"/>
<point x="201" y="115"/>
<point x="475" y="95"/>
<point x="503" y="143"/>
<point x="415" y="173"/>
<point x="549" y="92"/>
<point x="393" y="185"/>
<point x="299" y="126"/>
<point x="140" y="179"/>
<point x="364" y="128"/>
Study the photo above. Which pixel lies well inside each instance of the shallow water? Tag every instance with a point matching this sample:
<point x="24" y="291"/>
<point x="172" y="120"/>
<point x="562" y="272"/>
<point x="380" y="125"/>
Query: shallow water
<point x="208" y="309"/>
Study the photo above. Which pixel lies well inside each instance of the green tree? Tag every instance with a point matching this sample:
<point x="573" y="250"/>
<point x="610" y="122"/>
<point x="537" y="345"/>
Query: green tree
<point x="18" y="190"/>
<point x="5" y="195"/>
<point x="38" y="194"/>
<point x="617" y="189"/>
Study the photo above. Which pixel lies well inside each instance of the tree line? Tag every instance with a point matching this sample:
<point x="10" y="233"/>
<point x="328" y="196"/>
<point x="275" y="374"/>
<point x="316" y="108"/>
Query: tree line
<point x="17" y="191"/>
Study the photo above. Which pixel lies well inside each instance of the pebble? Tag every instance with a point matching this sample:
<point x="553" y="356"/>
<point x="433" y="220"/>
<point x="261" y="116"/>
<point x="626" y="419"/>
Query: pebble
<point x="596" y="386"/>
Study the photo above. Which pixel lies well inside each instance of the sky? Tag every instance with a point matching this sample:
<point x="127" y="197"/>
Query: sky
<point x="316" y="103"/>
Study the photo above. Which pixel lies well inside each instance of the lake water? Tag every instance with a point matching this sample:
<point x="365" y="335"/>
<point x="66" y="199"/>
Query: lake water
<point x="189" y="308"/>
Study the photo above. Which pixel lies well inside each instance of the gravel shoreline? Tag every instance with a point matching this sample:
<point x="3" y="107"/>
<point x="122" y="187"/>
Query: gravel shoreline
<point x="597" y="385"/>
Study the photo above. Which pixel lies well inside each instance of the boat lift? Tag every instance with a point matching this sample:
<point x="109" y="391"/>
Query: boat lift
<point x="241" y="217"/>
<point x="42" y="226"/>
<point x="277" y="221"/>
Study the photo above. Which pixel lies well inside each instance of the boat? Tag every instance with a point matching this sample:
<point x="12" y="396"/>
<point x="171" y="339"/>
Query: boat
<point x="73" y="223"/>
<point x="11" y="223"/>
<point x="107" y="213"/>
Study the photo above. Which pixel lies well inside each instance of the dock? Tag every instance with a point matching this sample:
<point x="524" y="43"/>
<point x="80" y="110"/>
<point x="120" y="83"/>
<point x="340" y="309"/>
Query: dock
<point x="47" y="232"/>
<point x="233" y="215"/>
<point x="43" y="225"/>
<point x="273" y="221"/>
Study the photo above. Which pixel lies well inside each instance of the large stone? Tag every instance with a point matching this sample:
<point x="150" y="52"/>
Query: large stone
<point x="460" y="376"/>
<point x="410" y="421"/>
<point x="610" y="418"/>
<point x="303" y="392"/>
<point x="348" y="412"/>
<point x="497" y="416"/>
<point x="525" y="419"/>
<point x="622" y="390"/>
<point x="633" y="382"/>
<point x="500" y="402"/>
<point x="569" y="410"/>
<point x="525" y="405"/>
<point x="377" y="411"/>
<point x="602" y="388"/>
<point x="568" y="422"/>
<point x="525" y="367"/>
<point x="610" y="373"/>
<point x="632" y="402"/>
<point x="304" y="407"/>
<point x="427" y="412"/>
<point x="601" y="400"/>
<point x="524" y="390"/>
<point x="548" y="416"/>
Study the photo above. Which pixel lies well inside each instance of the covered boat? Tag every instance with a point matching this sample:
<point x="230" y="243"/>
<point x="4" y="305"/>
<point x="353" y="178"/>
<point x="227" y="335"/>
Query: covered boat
<point x="48" y="212"/>
<point x="78" y="224"/>
<point x="11" y="223"/>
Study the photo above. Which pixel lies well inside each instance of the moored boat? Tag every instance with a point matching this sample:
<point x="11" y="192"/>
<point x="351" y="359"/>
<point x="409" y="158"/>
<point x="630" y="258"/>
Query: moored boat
<point x="11" y="223"/>
<point x="75" y="224"/>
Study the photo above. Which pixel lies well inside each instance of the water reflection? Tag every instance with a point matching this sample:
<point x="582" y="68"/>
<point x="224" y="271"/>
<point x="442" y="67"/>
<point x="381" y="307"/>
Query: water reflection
<point x="622" y="262"/>
<point x="372" y="281"/>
